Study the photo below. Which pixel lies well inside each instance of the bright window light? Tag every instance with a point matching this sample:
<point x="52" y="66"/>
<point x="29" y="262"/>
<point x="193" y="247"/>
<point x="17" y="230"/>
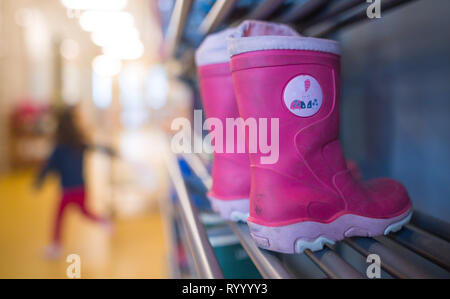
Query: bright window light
<point x="134" y="118"/>
<point x="106" y="66"/>
<point x="105" y="20"/>
<point x="131" y="86"/>
<point x="95" y="4"/>
<point x="107" y="37"/>
<point x="102" y="90"/>
<point x="25" y="17"/>
<point x="69" y="49"/>
<point x="127" y="51"/>
<point x="71" y="83"/>
<point x="157" y="87"/>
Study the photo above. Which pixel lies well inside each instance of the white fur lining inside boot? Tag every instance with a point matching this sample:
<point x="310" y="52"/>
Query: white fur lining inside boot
<point x="257" y="35"/>
<point x="213" y="49"/>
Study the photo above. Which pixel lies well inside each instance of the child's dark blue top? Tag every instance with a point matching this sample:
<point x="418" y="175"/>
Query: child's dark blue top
<point x="67" y="162"/>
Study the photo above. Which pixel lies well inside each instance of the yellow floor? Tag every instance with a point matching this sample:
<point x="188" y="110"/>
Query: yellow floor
<point x="135" y="250"/>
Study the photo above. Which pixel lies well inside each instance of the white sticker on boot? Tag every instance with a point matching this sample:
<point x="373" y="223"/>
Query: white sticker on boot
<point x="303" y="96"/>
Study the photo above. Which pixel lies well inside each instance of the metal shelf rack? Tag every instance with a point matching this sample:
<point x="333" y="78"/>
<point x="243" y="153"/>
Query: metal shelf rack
<point x="306" y="17"/>
<point x="416" y="246"/>
<point x="420" y="250"/>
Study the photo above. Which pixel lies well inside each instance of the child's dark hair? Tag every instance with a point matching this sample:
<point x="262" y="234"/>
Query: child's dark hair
<point x="67" y="132"/>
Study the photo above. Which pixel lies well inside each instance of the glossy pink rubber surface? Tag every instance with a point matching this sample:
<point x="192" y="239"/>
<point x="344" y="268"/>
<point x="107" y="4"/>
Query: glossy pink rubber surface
<point x="310" y="181"/>
<point x="231" y="171"/>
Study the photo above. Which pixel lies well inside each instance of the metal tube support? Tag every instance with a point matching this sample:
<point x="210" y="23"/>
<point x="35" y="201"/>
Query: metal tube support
<point x="302" y="11"/>
<point x="216" y="15"/>
<point x="176" y="26"/>
<point x="183" y="242"/>
<point x="168" y="222"/>
<point x="432" y="248"/>
<point x="362" y="16"/>
<point x="266" y="262"/>
<point x="392" y="261"/>
<point x="333" y="265"/>
<point x="197" y="166"/>
<point x="431" y="224"/>
<point x="264" y="9"/>
<point x="340" y="8"/>
<point x="205" y="260"/>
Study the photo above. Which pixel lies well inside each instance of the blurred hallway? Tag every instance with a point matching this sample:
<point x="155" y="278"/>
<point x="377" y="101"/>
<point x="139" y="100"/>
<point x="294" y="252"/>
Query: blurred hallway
<point x="136" y="249"/>
<point x="101" y="59"/>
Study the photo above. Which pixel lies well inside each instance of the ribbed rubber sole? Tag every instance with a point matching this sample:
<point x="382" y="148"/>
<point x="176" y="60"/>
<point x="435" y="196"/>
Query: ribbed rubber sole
<point x="297" y="237"/>
<point x="233" y="210"/>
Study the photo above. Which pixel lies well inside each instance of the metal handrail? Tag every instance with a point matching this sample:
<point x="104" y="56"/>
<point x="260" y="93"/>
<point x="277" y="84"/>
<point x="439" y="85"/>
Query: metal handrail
<point x="333" y="265"/>
<point x="168" y="226"/>
<point x="425" y="244"/>
<point x="431" y="224"/>
<point x="206" y="263"/>
<point x="302" y="10"/>
<point x="392" y="261"/>
<point x="197" y="166"/>
<point x="216" y="15"/>
<point x="268" y="265"/>
<point x="264" y="9"/>
<point x="361" y="16"/>
<point x="176" y="26"/>
<point x="422" y="245"/>
<point x="334" y="12"/>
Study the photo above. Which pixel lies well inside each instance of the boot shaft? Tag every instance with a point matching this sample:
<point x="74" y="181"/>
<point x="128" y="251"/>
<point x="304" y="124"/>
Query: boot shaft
<point x="301" y="89"/>
<point x="296" y="81"/>
<point x="219" y="102"/>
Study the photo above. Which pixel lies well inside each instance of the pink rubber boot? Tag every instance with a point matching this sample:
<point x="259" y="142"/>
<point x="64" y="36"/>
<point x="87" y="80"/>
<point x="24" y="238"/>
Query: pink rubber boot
<point x="308" y="197"/>
<point x="231" y="171"/>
